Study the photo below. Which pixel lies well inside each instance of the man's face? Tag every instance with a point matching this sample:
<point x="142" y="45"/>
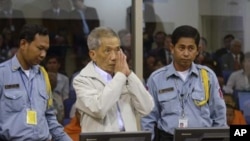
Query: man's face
<point x="160" y="39"/>
<point x="236" y="48"/>
<point x="227" y="42"/>
<point x="35" y="51"/>
<point x="184" y="52"/>
<point x="230" y="115"/>
<point x="53" y="65"/>
<point x="78" y="4"/>
<point x="105" y="56"/>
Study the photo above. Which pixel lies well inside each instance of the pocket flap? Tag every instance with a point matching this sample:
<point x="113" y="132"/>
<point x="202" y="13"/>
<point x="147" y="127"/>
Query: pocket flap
<point x="14" y="94"/>
<point x="198" y="95"/>
<point x="167" y="96"/>
<point x="44" y="94"/>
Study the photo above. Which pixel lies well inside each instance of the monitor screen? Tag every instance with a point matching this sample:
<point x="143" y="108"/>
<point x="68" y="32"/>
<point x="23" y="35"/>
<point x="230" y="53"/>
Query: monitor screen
<point x="116" y="136"/>
<point x="244" y="104"/>
<point x="202" y="134"/>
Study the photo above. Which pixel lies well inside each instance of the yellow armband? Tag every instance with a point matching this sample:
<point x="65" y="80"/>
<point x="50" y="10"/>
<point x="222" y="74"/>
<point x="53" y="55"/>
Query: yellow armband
<point x="48" y="87"/>
<point x="205" y="82"/>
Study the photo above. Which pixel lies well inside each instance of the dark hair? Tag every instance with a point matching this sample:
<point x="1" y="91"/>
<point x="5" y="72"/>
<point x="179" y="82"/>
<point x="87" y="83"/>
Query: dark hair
<point x="185" y="31"/>
<point x="229" y="106"/>
<point x="53" y="56"/>
<point x="228" y="36"/>
<point x="160" y="32"/>
<point x="29" y="31"/>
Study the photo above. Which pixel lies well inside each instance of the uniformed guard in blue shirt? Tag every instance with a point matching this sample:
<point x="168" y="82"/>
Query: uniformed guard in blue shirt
<point x="25" y="95"/>
<point x="185" y="94"/>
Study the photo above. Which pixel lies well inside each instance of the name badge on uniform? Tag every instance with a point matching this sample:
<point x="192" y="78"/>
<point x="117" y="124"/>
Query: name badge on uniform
<point x="31" y="117"/>
<point x="11" y="86"/>
<point x="166" y="90"/>
<point x="183" y="123"/>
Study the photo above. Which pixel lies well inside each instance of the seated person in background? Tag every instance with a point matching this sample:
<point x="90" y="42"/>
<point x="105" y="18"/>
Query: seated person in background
<point x="73" y="129"/>
<point x="234" y="115"/>
<point x="240" y="80"/>
<point x="231" y="61"/>
<point x="58" y="104"/>
<point x="53" y="64"/>
<point x="203" y="53"/>
<point x="211" y="63"/>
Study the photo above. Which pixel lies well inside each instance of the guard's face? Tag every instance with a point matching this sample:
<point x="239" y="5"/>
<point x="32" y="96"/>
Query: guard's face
<point x="105" y="56"/>
<point x="34" y="52"/>
<point x="184" y="52"/>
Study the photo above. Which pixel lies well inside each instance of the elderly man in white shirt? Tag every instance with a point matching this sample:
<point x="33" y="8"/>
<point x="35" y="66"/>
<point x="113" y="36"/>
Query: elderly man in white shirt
<point x="240" y="80"/>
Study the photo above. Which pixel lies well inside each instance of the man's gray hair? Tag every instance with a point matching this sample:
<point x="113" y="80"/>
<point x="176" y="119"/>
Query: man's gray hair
<point x="234" y="41"/>
<point x="94" y="38"/>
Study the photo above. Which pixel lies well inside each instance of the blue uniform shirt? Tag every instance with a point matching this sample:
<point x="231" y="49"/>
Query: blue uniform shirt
<point x="18" y="93"/>
<point x="168" y="91"/>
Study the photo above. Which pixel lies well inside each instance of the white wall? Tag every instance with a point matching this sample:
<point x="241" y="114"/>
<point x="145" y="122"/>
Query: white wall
<point x="230" y="8"/>
<point x="111" y="12"/>
<point x="177" y="12"/>
<point x="222" y="7"/>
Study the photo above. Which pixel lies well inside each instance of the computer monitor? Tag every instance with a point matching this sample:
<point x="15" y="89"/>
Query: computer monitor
<point x="116" y="136"/>
<point x="202" y="134"/>
<point x="244" y="104"/>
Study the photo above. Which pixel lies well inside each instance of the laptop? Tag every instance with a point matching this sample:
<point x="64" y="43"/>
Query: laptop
<point x="202" y="134"/>
<point x="116" y="136"/>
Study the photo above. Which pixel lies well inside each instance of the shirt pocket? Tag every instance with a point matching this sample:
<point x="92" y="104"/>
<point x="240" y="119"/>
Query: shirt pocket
<point x="14" y="100"/>
<point x="168" y="102"/>
<point x="199" y="96"/>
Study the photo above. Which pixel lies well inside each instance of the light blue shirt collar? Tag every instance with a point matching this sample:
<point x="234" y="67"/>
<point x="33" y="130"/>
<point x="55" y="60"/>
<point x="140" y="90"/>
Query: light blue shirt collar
<point x="106" y="76"/>
<point x="15" y="65"/>
<point x="172" y="71"/>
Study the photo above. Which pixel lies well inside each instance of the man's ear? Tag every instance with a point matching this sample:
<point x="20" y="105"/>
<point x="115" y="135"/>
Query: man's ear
<point x="22" y="43"/>
<point x="92" y="54"/>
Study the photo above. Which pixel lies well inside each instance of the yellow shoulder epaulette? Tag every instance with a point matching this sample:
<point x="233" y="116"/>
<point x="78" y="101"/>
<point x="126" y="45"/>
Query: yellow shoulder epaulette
<point x="205" y="82"/>
<point x="48" y="87"/>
